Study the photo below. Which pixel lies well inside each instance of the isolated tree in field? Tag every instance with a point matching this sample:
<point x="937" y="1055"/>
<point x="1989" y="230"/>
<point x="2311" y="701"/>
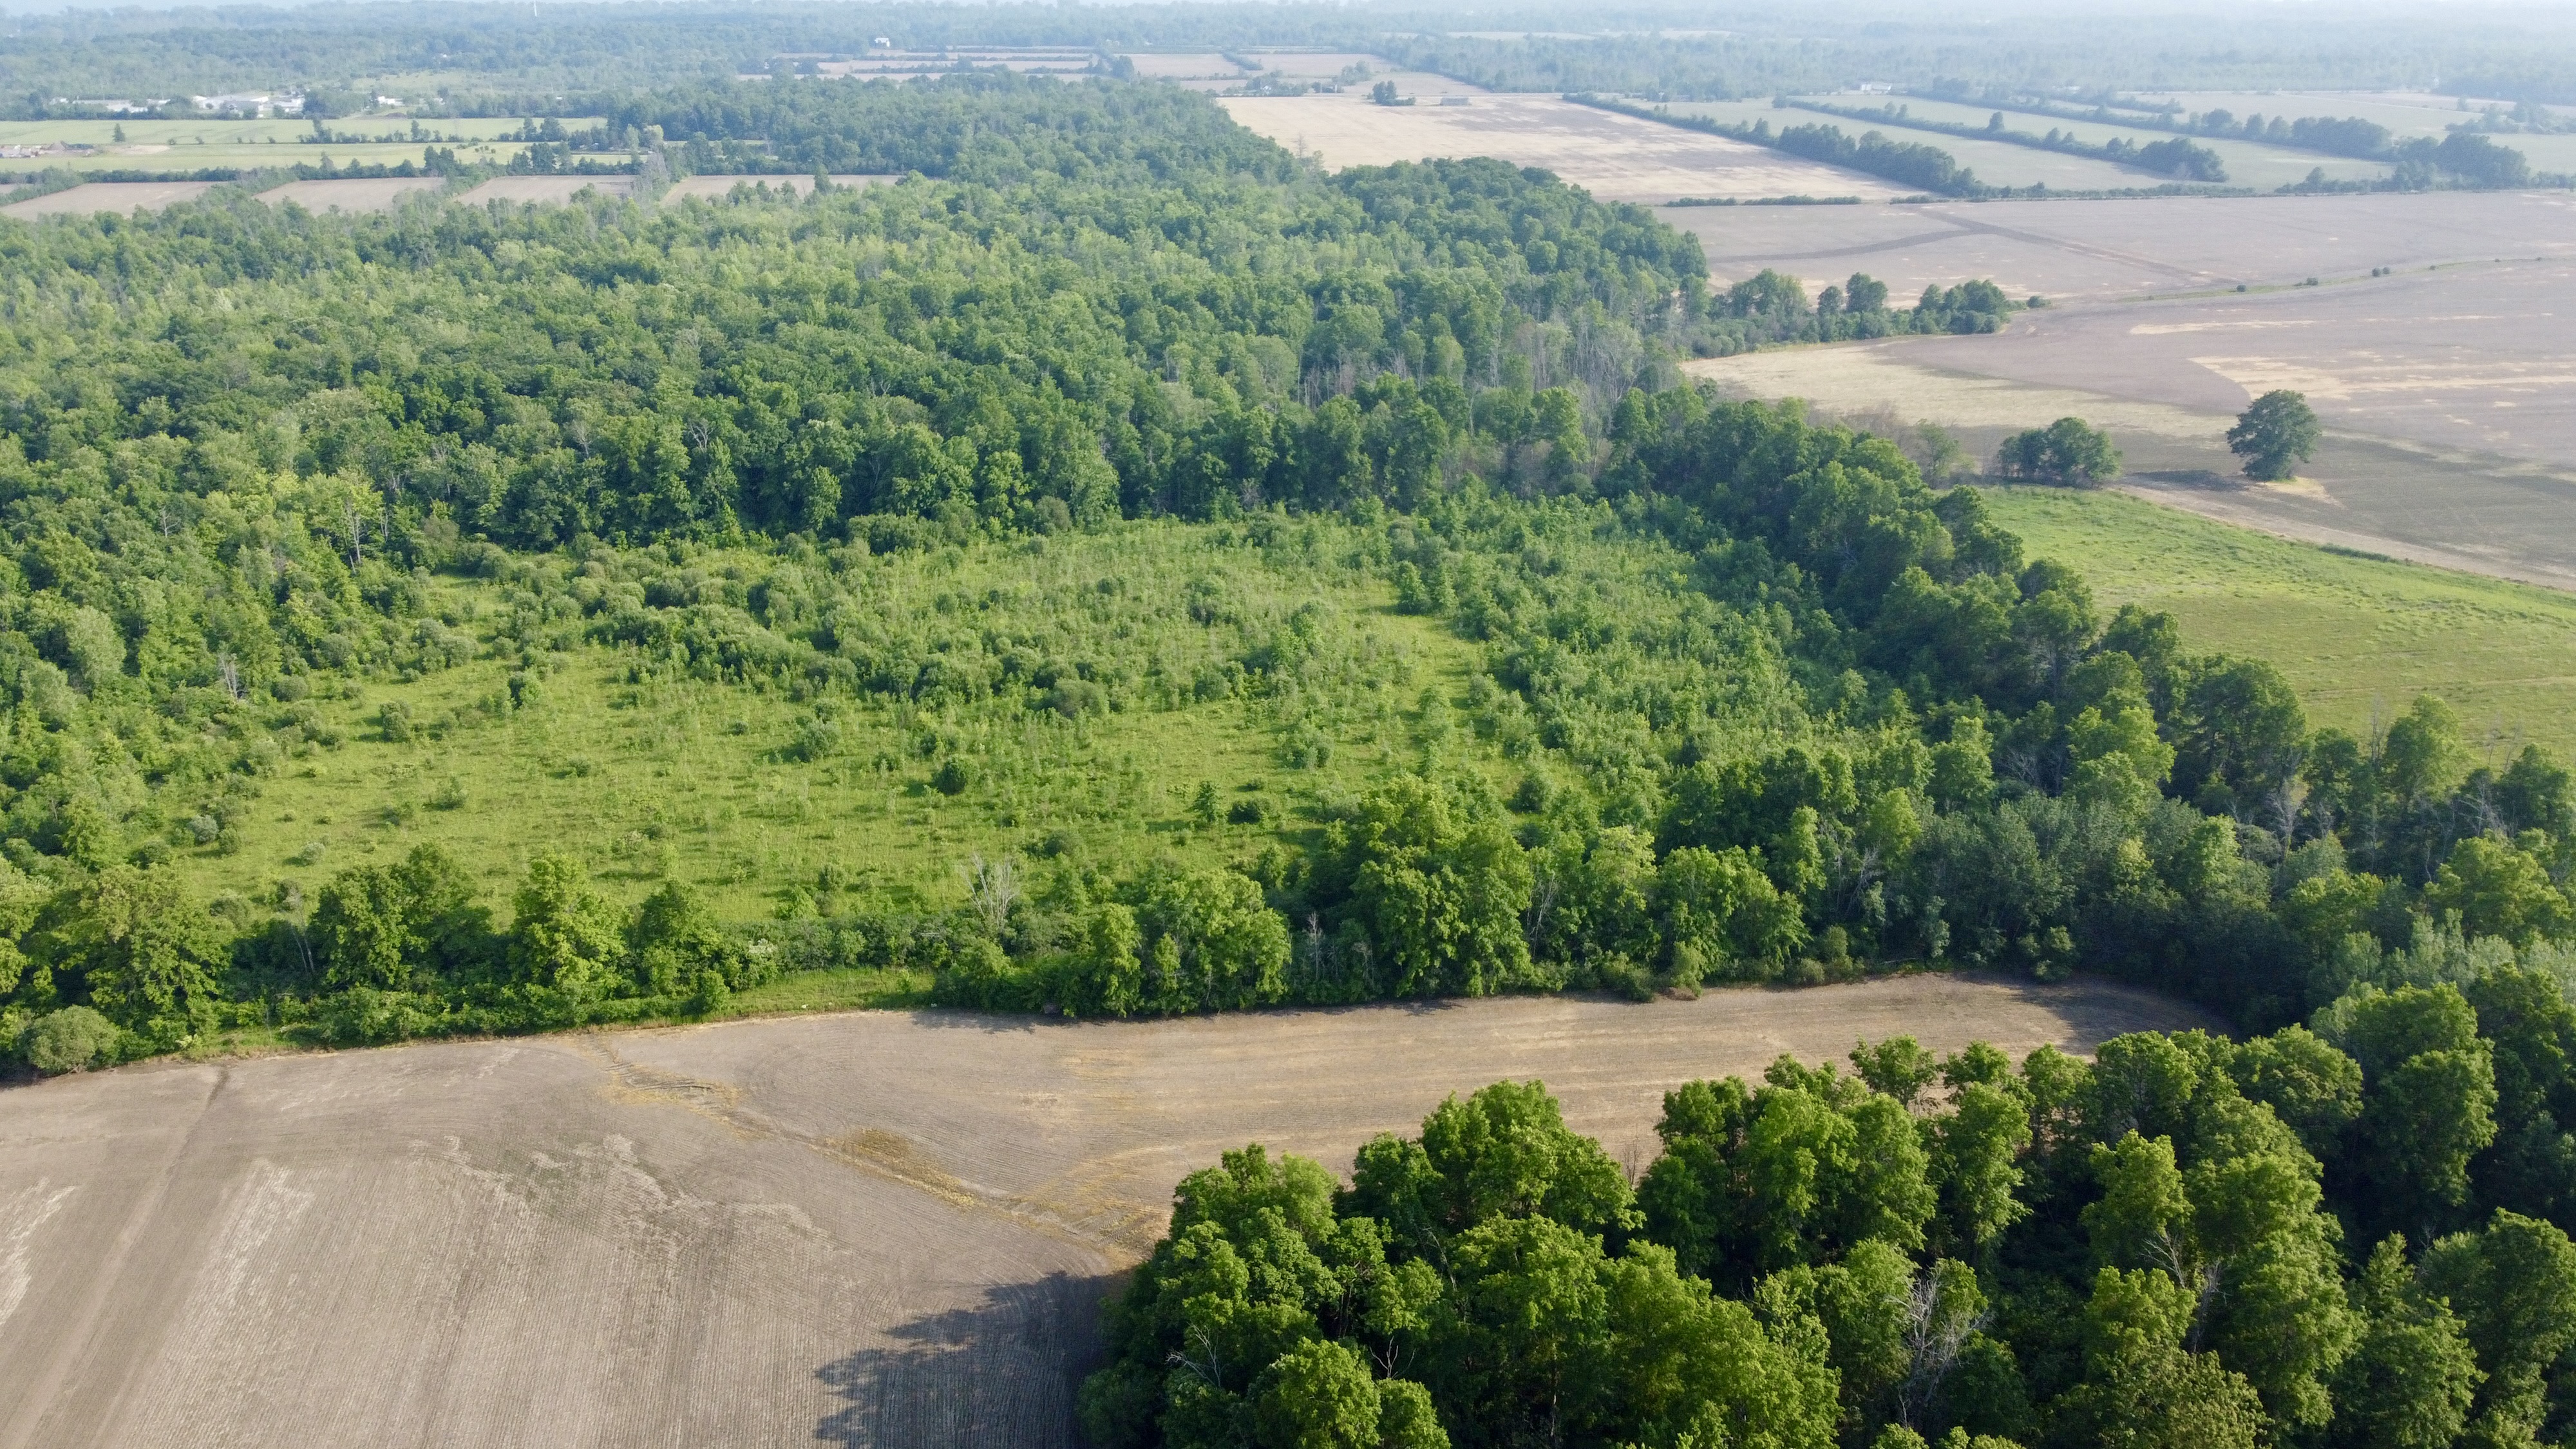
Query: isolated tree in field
<point x="2068" y="451"/>
<point x="2279" y="430"/>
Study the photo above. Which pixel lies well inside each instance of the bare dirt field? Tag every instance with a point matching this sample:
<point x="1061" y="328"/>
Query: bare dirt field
<point x="525" y="189"/>
<point x="362" y="194"/>
<point x="2104" y="249"/>
<point x="2475" y="357"/>
<point x="117" y="196"/>
<point x="2451" y="419"/>
<point x="882" y="1229"/>
<point x="712" y="187"/>
<point x="1615" y="157"/>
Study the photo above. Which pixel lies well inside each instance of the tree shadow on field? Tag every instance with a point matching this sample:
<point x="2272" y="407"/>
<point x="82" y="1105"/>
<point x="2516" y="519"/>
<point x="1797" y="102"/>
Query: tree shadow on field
<point x="2201" y="479"/>
<point x="1000" y="1372"/>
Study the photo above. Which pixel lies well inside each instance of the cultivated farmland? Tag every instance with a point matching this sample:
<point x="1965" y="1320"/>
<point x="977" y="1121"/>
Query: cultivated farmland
<point x="1615" y="157"/>
<point x="2403" y="113"/>
<point x="1997" y="163"/>
<point x="2107" y="249"/>
<point x="2249" y="163"/>
<point x="108" y="196"/>
<point x="864" y="1229"/>
<point x="2444" y="395"/>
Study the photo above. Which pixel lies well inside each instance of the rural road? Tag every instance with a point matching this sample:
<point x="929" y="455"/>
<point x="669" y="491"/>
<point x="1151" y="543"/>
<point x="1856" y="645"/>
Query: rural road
<point x="874" y="1228"/>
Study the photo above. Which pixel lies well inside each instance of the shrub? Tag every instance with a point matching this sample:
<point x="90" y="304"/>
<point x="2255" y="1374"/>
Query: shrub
<point x="2069" y="451"/>
<point x="73" y="1039"/>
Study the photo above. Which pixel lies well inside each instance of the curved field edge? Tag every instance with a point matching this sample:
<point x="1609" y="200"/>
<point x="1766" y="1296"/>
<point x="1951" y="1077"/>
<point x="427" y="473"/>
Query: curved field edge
<point x="879" y="1226"/>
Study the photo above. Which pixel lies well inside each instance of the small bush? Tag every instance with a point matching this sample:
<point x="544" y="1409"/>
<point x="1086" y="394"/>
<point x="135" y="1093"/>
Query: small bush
<point x="952" y="777"/>
<point x="73" y="1039"/>
<point x="450" y="796"/>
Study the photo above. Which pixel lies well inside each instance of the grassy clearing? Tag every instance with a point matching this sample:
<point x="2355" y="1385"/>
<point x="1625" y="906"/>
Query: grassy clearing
<point x="720" y="785"/>
<point x="2358" y="637"/>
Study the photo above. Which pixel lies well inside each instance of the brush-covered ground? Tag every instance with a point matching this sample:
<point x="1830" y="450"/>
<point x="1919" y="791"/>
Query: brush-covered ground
<point x="777" y="806"/>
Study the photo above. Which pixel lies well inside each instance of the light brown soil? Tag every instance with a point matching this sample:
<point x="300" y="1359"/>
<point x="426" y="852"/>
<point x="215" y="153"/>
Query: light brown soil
<point x="2445" y="395"/>
<point x="116" y="196"/>
<point x="1615" y="157"/>
<point x="2108" y="249"/>
<point x="866" y="1229"/>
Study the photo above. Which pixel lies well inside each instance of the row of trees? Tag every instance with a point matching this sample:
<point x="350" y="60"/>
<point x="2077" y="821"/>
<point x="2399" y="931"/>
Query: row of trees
<point x="2188" y="1242"/>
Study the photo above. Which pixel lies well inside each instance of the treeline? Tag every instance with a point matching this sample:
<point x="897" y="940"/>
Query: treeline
<point x="2179" y="159"/>
<point x="1986" y="771"/>
<point x="1754" y="703"/>
<point x="1679" y="55"/>
<point x="2315" y="1236"/>
<point x="1911" y="163"/>
<point x="237" y="444"/>
<point x="498" y="61"/>
<point x="2463" y="158"/>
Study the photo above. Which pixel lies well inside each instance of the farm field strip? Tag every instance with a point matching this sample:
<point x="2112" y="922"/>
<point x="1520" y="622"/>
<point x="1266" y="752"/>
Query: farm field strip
<point x="2417" y="115"/>
<point x="881" y="1227"/>
<point x="1615" y="157"/>
<point x="2118" y="249"/>
<point x="2249" y="163"/>
<point x="1997" y="163"/>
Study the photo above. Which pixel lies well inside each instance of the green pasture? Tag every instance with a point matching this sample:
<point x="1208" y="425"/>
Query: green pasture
<point x="2359" y="637"/>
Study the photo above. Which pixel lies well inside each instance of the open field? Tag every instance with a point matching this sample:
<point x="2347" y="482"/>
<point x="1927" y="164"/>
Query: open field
<point x="1997" y="163"/>
<point x="2477" y="358"/>
<point x="2357" y="637"/>
<point x="2415" y="114"/>
<point x="2249" y="163"/>
<point x="2410" y="373"/>
<point x="356" y="194"/>
<point x="1615" y="157"/>
<point x="201" y="145"/>
<point x="2105" y="249"/>
<point x="359" y="194"/>
<point x="108" y="196"/>
<point x="282" y="130"/>
<point x="883" y="1229"/>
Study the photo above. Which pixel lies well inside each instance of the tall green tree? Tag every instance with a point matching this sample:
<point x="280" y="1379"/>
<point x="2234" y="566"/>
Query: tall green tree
<point x="2276" y="434"/>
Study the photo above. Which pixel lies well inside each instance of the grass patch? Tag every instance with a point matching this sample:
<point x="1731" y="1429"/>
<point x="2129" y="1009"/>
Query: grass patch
<point x="2358" y="636"/>
<point x="776" y="806"/>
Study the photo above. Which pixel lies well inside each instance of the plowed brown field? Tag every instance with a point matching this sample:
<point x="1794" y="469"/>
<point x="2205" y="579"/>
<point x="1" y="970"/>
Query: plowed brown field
<point x="864" y="1229"/>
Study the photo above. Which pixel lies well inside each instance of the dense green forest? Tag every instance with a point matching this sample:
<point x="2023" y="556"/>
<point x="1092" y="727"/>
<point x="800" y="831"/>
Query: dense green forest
<point x="1716" y="694"/>
<point x="2343" y="1236"/>
<point x="1129" y="573"/>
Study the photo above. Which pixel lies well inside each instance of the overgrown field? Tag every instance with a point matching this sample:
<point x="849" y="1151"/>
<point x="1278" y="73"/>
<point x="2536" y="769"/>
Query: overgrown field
<point x="779" y="801"/>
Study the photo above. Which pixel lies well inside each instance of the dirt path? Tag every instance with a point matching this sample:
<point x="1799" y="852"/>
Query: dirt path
<point x="864" y="1229"/>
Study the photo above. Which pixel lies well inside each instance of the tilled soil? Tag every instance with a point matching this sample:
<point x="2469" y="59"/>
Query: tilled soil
<point x="873" y="1228"/>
